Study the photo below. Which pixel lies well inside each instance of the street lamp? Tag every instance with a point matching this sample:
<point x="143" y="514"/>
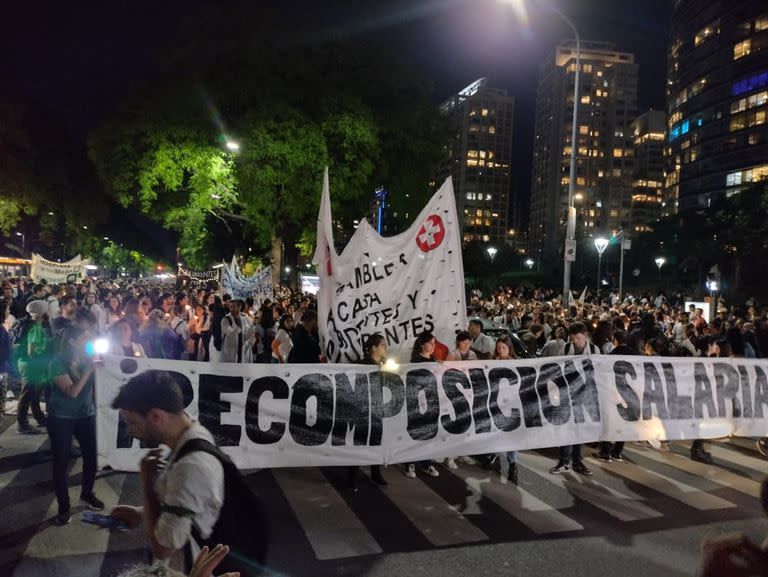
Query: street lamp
<point x="570" y="230"/>
<point x="233" y="146"/>
<point x="492" y="250"/>
<point x="600" y="244"/>
<point x="529" y="263"/>
<point x="659" y="260"/>
<point x="23" y="244"/>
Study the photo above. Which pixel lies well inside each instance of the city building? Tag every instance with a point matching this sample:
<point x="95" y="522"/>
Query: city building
<point x="717" y="100"/>
<point x="649" y="134"/>
<point x="605" y="153"/>
<point x="480" y="157"/>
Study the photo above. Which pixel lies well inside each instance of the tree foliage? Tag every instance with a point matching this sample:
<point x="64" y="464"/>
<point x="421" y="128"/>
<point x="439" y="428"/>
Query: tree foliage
<point x="293" y="109"/>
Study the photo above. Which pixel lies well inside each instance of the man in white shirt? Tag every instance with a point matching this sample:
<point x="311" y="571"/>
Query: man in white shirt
<point x="482" y="344"/>
<point x="187" y="493"/>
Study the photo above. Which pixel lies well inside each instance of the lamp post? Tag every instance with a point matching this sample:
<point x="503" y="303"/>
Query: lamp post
<point x="23" y="244"/>
<point x="492" y="250"/>
<point x="600" y="244"/>
<point x="659" y="260"/>
<point x="570" y="229"/>
<point x="529" y="263"/>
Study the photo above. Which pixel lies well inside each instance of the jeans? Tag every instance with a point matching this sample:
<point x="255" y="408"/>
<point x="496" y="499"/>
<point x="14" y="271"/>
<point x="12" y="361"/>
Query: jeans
<point x="570" y="453"/>
<point x="60" y="432"/>
<point x="511" y="457"/>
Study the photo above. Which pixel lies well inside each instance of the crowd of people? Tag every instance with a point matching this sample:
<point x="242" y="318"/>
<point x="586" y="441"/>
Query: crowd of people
<point x="48" y="334"/>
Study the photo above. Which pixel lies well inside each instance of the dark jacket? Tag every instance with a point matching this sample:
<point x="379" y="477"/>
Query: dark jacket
<point x="306" y="348"/>
<point x="623" y="350"/>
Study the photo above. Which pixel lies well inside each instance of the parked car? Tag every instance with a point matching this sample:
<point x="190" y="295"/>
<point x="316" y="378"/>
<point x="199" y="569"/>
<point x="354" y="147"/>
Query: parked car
<point x="494" y="330"/>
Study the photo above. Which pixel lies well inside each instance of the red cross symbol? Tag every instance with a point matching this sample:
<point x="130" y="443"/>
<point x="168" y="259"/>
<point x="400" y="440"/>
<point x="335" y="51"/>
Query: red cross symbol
<point x="431" y="233"/>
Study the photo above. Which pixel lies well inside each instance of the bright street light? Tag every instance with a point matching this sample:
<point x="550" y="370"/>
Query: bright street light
<point x="233" y="146"/>
<point x="529" y="263"/>
<point x="660" y="260"/>
<point x="600" y="244"/>
<point x="492" y="250"/>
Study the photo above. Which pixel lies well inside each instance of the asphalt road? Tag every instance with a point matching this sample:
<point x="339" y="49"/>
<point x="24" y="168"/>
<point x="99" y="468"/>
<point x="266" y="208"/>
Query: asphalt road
<point x="646" y="516"/>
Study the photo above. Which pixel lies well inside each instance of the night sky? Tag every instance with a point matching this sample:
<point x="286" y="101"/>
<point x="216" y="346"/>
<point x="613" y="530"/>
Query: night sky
<point x="79" y="61"/>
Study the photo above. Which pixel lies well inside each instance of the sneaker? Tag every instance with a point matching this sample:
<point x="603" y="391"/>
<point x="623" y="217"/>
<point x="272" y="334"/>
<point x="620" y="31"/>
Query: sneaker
<point x="762" y="447"/>
<point x="29" y="430"/>
<point x="94" y="504"/>
<point x="581" y="469"/>
<point x="606" y="457"/>
<point x="63" y="518"/>
<point x="451" y="463"/>
<point x="618" y="457"/>
<point x="559" y="469"/>
<point x="410" y="471"/>
<point x="512" y="473"/>
<point x="431" y="471"/>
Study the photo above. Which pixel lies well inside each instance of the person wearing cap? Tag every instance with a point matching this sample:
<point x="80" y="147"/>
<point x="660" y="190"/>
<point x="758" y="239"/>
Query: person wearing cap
<point x="31" y="351"/>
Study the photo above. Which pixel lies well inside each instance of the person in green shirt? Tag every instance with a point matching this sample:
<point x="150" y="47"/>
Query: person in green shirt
<point x="72" y="412"/>
<point x="31" y="353"/>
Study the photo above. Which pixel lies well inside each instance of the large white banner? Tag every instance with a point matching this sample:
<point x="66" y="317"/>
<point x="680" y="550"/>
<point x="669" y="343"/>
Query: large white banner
<point x="57" y="272"/>
<point x="319" y="415"/>
<point x="398" y="286"/>
<point x="259" y="285"/>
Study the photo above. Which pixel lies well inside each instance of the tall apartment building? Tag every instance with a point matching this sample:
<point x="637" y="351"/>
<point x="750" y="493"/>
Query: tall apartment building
<point x="605" y="153"/>
<point x="649" y="134"/>
<point x="480" y="158"/>
<point x="717" y="100"/>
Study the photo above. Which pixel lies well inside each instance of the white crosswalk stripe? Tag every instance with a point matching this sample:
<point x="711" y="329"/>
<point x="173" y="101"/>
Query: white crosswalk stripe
<point x="439" y="522"/>
<point x="534" y="513"/>
<point x="668" y="486"/>
<point x="711" y="472"/>
<point x="315" y="502"/>
<point x="447" y="511"/>
<point x="758" y="464"/>
<point x="624" y="506"/>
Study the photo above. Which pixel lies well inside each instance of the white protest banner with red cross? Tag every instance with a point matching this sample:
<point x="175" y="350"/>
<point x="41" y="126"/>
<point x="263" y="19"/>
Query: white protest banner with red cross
<point x="397" y="286"/>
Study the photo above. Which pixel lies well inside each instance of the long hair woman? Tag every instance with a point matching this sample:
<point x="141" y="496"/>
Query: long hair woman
<point x="423" y="352"/>
<point x="72" y="413"/>
<point x="374" y="349"/>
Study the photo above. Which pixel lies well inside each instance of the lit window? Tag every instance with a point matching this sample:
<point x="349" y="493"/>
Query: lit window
<point x="598" y="92"/>
<point x="482" y="154"/>
<point x="585" y="100"/>
<point x="707" y="32"/>
<point x="580" y="181"/>
<point x="599" y="174"/>
<point x="583" y="129"/>
<point x="491" y="129"/>
<point x="484" y="112"/>
<point x="618" y="152"/>
<point x="761" y="23"/>
<point x="742" y="49"/>
<point x="472" y="154"/>
<point x="616" y="172"/>
<point x="471" y="162"/>
<point x="599" y="72"/>
<point x="488" y="197"/>
<point x="586" y="67"/>
<point x="486" y="238"/>
<point x="614" y="213"/>
<point x="582" y="151"/>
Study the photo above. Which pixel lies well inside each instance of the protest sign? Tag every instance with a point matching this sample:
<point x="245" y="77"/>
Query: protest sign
<point x="397" y="286"/>
<point x="320" y="415"/>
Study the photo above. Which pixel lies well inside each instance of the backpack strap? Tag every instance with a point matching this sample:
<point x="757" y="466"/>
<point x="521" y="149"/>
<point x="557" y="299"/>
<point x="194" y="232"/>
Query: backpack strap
<point x="567" y="348"/>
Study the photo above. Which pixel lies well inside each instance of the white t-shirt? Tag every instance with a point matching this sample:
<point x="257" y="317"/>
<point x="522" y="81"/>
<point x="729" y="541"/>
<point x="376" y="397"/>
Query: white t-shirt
<point x="484" y="344"/>
<point x="286" y="344"/>
<point x="190" y="490"/>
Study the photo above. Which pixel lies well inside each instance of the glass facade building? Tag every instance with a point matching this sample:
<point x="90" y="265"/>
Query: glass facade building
<point x="717" y="101"/>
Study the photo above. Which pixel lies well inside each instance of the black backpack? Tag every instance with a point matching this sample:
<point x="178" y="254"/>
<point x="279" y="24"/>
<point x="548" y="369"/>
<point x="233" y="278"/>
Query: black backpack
<point x="241" y="524"/>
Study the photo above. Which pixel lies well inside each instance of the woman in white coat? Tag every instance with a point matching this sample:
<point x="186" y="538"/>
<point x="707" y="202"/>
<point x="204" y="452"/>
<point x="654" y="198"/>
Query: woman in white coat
<point x="237" y="334"/>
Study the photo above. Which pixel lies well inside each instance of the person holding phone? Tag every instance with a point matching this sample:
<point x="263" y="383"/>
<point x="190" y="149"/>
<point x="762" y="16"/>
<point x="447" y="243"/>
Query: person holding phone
<point x="72" y="413"/>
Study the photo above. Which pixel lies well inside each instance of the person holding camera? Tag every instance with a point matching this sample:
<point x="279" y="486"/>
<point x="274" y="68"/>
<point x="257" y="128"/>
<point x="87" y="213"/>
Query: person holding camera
<point x="72" y="413"/>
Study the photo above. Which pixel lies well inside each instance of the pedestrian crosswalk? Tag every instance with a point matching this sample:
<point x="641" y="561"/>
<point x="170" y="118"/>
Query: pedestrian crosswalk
<point x="467" y="506"/>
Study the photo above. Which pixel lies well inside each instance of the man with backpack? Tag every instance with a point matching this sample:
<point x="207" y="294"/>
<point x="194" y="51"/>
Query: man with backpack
<point x="30" y="349"/>
<point x="197" y="496"/>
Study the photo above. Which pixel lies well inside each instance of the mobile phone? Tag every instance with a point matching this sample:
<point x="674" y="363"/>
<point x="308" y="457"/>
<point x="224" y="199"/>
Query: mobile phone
<point x="104" y="521"/>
